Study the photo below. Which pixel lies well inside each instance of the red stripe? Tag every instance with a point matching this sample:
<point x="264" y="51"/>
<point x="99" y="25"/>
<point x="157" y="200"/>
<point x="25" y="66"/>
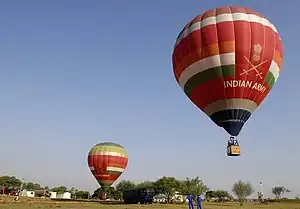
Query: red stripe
<point x="226" y="31"/>
<point x="100" y="177"/>
<point x="100" y="164"/>
<point x="206" y="93"/>
<point x="196" y="40"/>
<point x="200" y="40"/>
<point x="104" y="160"/>
<point x="198" y="18"/>
<point x="102" y="180"/>
<point x="211" y="91"/>
<point x="223" y="10"/>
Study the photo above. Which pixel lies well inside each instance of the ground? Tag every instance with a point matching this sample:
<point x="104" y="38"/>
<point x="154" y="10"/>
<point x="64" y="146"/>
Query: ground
<point x="8" y="203"/>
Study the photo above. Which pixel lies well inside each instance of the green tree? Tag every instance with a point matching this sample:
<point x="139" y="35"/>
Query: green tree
<point x="210" y="194"/>
<point x="82" y="194"/>
<point x="242" y="190"/>
<point x="123" y="186"/>
<point x="222" y="195"/>
<point x="10" y="182"/>
<point x="278" y="191"/>
<point x="194" y="186"/>
<point x="145" y="184"/>
<point x="59" y="189"/>
<point x="111" y="193"/>
<point x="97" y="193"/>
<point x="114" y="194"/>
<point x="31" y="186"/>
<point x="73" y="191"/>
<point x="168" y="186"/>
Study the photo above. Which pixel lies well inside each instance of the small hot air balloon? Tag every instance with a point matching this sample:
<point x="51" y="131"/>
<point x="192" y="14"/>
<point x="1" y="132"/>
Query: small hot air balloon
<point x="227" y="60"/>
<point x="107" y="161"/>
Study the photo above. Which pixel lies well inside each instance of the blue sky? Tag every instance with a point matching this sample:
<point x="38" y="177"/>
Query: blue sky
<point x="75" y="73"/>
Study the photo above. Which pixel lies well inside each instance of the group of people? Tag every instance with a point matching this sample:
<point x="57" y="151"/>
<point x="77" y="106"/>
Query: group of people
<point x="191" y="201"/>
<point x="232" y="142"/>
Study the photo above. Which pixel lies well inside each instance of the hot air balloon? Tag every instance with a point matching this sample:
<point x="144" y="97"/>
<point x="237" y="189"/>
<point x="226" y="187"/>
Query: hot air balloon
<point x="227" y="60"/>
<point x="107" y="161"/>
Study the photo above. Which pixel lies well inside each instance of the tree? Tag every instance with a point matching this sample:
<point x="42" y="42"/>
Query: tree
<point x="210" y="194"/>
<point x="31" y="186"/>
<point x="222" y="195"/>
<point x="242" y="190"/>
<point x="278" y="191"/>
<point x="82" y="194"/>
<point x="10" y="182"/>
<point x="194" y="186"/>
<point x="112" y="193"/>
<point x="168" y="186"/>
<point x="73" y="191"/>
<point x="145" y="184"/>
<point x="97" y="193"/>
<point x="60" y="189"/>
<point x="124" y="185"/>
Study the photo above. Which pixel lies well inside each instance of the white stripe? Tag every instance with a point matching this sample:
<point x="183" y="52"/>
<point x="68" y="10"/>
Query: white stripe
<point x="117" y="154"/>
<point x="204" y="64"/>
<point x="226" y="104"/>
<point x="101" y="175"/>
<point x="225" y="18"/>
<point x="115" y="169"/>
<point x="92" y="168"/>
<point x="274" y="69"/>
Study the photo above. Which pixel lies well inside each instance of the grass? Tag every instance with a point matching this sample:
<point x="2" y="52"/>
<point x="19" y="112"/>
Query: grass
<point x="40" y="203"/>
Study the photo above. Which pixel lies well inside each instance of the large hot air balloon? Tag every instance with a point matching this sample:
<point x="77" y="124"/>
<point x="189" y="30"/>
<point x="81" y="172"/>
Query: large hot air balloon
<point x="107" y="161"/>
<point x="227" y="60"/>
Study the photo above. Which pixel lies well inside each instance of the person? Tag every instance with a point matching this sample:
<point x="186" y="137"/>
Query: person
<point x="103" y="196"/>
<point x="199" y="202"/>
<point x="18" y="195"/>
<point x="190" y="199"/>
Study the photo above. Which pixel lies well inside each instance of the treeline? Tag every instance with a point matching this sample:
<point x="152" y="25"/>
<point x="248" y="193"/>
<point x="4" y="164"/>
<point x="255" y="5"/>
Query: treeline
<point x="11" y="184"/>
<point x="166" y="185"/>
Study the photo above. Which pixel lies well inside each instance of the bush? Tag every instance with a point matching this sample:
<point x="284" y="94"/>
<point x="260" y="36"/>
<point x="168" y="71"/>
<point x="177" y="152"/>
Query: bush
<point x="284" y="200"/>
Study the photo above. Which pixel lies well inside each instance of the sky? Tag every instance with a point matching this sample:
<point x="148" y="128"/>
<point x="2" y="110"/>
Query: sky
<point x="75" y="73"/>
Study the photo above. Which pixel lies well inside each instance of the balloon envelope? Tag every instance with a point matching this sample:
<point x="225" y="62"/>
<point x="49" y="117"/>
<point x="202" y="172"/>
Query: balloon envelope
<point x="107" y="161"/>
<point x="227" y="60"/>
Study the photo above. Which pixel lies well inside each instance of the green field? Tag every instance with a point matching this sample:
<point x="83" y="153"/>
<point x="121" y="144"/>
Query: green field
<point x="40" y="203"/>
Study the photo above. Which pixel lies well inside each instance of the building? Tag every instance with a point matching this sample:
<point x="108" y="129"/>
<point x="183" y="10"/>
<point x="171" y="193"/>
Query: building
<point x="26" y="193"/>
<point x="52" y="195"/>
<point x="55" y="195"/>
<point x="42" y="193"/>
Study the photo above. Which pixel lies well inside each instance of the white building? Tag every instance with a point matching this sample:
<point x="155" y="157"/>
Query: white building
<point x="66" y="195"/>
<point x="52" y="194"/>
<point x="26" y="193"/>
